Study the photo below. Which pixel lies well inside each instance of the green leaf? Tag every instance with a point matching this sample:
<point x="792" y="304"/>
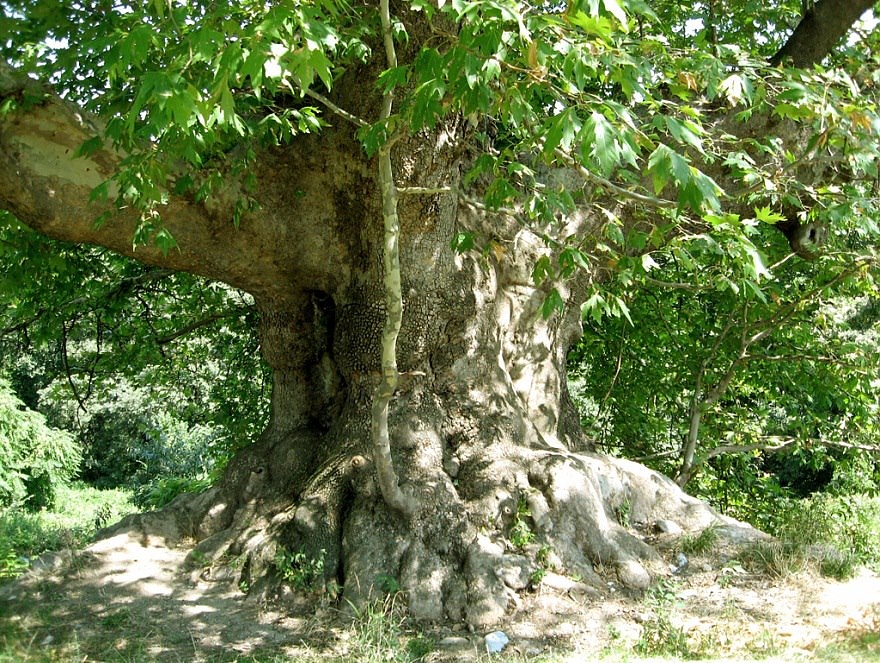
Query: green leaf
<point x="164" y="241"/>
<point x="562" y="132"/>
<point x="619" y="308"/>
<point x="614" y="232"/>
<point x="392" y="78"/>
<point x="594" y="306"/>
<point x="613" y="7"/>
<point x="553" y="302"/>
<point x="462" y="242"/>
<point x="542" y="269"/>
<point x="373" y="137"/>
<point x="792" y="112"/>
<point x="685" y="133"/>
<point x="100" y="194"/>
<point x="571" y="259"/>
<point x="321" y="65"/>
<point x="89" y="147"/>
<point x="767" y="215"/>
<point x="599" y="143"/>
<point x="665" y="166"/>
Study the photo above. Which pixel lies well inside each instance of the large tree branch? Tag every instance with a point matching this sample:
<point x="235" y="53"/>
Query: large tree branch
<point x="47" y="187"/>
<point x="822" y="26"/>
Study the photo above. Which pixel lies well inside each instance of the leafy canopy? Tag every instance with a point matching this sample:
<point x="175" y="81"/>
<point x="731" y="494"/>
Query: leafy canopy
<point x="626" y="93"/>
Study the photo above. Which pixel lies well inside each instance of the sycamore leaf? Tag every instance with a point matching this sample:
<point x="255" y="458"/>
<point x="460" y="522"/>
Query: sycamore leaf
<point x="553" y="302"/>
<point x="89" y="147"/>
<point x="600" y="143"/>
<point x="594" y="307"/>
<point x="613" y="7"/>
<point x="736" y="89"/>
<point x="392" y="78"/>
<point x="665" y="166"/>
<point x="165" y="241"/>
<point x="541" y="270"/>
<point x="766" y="215"/>
<point x="685" y="132"/>
<point x="619" y="308"/>
<point x="563" y="129"/>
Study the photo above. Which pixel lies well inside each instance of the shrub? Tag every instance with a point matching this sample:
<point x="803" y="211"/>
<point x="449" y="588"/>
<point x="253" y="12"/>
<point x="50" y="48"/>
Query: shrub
<point x="131" y="437"/>
<point x="848" y="523"/>
<point x="163" y="490"/>
<point x="35" y="459"/>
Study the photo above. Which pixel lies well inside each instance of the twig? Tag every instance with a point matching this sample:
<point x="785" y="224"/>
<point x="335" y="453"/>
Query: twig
<point x="611" y="186"/>
<point x="341" y="112"/>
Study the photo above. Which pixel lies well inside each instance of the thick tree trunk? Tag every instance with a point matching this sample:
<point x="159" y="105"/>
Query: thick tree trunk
<point x="483" y="435"/>
<point x="482" y="432"/>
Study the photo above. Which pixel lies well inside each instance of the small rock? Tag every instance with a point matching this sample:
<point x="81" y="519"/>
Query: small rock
<point x="496" y="641"/>
<point x="633" y="575"/>
<point x="668" y="527"/>
<point x="454" y="642"/>
<point x="681" y="563"/>
<point x="48" y="640"/>
<point x="514" y="571"/>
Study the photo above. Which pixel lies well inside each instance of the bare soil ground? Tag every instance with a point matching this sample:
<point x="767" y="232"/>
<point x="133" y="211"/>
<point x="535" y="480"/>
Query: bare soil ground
<point x="133" y="598"/>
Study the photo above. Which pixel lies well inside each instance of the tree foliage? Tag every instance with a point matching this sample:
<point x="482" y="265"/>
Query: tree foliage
<point x="156" y="373"/>
<point x="34" y="458"/>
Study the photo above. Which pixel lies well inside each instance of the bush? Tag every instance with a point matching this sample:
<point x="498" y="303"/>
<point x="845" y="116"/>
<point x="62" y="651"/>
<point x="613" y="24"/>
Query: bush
<point x="131" y="437"/>
<point x="850" y="523"/>
<point x="35" y="459"/>
<point x="162" y="491"/>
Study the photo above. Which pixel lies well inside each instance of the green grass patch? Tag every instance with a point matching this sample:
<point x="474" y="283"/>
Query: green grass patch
<point x="700" y="543"/>
<point x="79" y="512"/>
<point x="835" y="533"/>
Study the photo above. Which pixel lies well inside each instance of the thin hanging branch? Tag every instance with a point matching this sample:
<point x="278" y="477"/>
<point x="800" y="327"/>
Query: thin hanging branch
<point x="388" y="481"/>
<point x="65" y="364"/>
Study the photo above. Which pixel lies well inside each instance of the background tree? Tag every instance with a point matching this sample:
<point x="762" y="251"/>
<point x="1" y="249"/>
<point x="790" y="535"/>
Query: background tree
<point x="36" y="458"/>
<point x="709" y="366"/>
<point x="83" y="327"/>
<point x="293" y="150"/>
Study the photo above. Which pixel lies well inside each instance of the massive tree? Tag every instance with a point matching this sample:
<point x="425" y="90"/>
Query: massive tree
<point x="420" y="198"/>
